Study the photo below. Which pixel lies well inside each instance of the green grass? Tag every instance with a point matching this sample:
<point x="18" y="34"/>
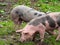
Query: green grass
<point x="3" y="42"/>
<point x="7" y="29"/>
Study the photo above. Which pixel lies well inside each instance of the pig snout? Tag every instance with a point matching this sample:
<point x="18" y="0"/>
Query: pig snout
<point x="22" y="40"/>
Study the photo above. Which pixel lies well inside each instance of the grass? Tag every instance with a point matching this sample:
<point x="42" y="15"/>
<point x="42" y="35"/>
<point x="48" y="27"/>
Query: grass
<point x="7" y="30"/>
<point x="7" y="27"/>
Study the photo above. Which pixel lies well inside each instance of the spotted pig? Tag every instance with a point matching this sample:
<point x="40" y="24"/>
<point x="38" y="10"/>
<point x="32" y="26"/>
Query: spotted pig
<point x="41" y="24"/>
<point x="24" y="13"/>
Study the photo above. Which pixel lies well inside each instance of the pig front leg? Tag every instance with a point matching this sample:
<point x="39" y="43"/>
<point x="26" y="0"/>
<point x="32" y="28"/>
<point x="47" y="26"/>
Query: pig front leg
<point x="40" y="41"/>
<point x="17" y="22"/>
<point x="58" y="34"/>
<point x="41" y="31"/>
<point x="42" y="35"/>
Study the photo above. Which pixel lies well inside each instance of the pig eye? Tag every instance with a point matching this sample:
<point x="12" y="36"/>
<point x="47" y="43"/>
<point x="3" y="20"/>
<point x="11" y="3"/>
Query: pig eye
<point x="25" y="33"/>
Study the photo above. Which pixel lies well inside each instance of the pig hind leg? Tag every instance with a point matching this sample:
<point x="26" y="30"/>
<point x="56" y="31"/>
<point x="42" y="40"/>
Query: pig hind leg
<point x="51" y="32"/>
<point x="58" y="34"/>
<point x="58" y="22"/>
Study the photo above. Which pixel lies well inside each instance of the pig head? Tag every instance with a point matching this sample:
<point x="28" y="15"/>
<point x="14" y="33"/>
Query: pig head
<point x="27" y="33"/>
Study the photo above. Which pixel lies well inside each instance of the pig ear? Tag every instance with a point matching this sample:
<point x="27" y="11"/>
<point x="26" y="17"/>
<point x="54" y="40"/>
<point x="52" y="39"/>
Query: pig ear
<point x="18" y="31"/>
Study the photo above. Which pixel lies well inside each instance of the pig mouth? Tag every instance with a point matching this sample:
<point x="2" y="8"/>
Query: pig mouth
<point x="26" y="41"/>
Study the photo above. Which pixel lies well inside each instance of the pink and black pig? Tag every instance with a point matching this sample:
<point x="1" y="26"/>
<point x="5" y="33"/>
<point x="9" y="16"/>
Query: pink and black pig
<point x="46" y="23"/>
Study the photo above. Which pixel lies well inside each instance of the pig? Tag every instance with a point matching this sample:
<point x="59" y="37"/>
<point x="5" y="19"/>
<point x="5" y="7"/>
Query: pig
<point x="24" y="13"/>
<point x="46" y="23"/>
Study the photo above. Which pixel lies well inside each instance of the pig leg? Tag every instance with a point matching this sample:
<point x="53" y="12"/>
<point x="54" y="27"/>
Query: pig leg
<point x="17" y="23"/>
<point x="34" y="37"/>
<point x="52" y="32"/>
<point x="41" y="32"/>
<point x="58" y="34"/>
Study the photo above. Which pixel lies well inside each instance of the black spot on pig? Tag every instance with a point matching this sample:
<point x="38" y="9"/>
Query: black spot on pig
<point x="35" y="13"/>
<point x="58" y="21"/>
<point x="40" y="15"/>
<point x="50" y="21"/>
<point x="38" y="21"/>
<point x="42" y="20"/>
<point x="16" y="12"/>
